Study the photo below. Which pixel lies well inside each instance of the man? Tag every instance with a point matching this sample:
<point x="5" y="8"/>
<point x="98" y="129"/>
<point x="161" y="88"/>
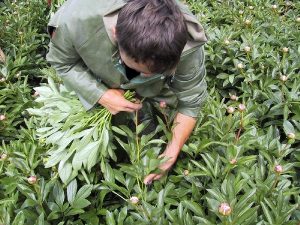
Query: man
<point x="154" y="47"/>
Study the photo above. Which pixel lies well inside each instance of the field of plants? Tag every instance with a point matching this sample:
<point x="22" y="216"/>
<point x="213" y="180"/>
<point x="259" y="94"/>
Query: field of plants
<point x="62" y="165"/>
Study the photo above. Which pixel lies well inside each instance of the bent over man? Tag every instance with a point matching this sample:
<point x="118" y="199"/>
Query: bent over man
<point x="100" y="48"/>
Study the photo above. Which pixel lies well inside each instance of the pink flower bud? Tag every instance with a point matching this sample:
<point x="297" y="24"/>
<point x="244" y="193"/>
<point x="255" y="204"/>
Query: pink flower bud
<point x="233" y="97"/>
<point x="162" y="104"/>
<point x="224" y="209"/>
<point x="233" y="161"/>
<point x="291" y="136"/>
<point x="3" y="156"/>
<point x="278" y="169"/>
<point x="2" y="117"/>
<point x="230" y="110"/>
<point x="32" y="179"/>
<point x="241" y="107"/>
<point x="134" y="200"/>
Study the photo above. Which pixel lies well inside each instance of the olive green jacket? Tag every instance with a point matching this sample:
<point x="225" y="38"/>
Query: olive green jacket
<point x="86" y="57"/>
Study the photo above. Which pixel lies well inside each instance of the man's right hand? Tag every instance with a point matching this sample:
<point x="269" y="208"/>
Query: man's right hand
<point x="113" y="100"/>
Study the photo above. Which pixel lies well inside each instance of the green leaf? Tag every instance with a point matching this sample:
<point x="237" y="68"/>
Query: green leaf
<point x="110" y="220"/>
<point x="288" y="127"/>
<point x="80" y="203"/>
<point x="58" y="194"/>
<point x="19" y="219"/>
<point x="71" y="191"/>
<point x="65" y="171"/>
<point x="84" y="191"/>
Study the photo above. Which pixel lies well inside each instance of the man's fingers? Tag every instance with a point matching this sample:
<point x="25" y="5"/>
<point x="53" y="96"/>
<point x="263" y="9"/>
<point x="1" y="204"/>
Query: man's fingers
<point x="148" y="179"/>
<point x="133" y="106"/>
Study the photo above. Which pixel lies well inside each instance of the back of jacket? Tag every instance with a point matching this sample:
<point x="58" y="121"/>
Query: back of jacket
<point x="86" y="58"/>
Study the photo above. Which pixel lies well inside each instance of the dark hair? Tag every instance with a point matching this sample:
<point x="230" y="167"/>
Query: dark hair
<point x="152" y="32"/>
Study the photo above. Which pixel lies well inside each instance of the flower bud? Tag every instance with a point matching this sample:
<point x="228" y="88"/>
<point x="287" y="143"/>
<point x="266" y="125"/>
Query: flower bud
<point x="224" y="209"/>
<point x="32" y="179"/>
<point x="241" y="12"/>
<point x="298" y="19"/>
<point x="162" y="104"/>
<point x="2" y="117"/>
<point x="2" y="80"/>
<point x="240" y="65"/>
<point x="274" y="7"/>
<point x="226" y="42"/>
<point x="233" y="161"/>
<point x="291" y="136"/>
<point x="241" y="107"/>
<point x="134" y="200"/>
<point x="251" y="7"/>
<point x="285" y="50"/>
<point x="3" y="156"/>
<point x="230" y="110"/>
<point x="278" y="169"/>
<point x="186" y="172"/>
<point x="233" y="97"/>
<point x="247" y="49"/>
<point x="247" y="22"/>
<point x="283" y="78"/>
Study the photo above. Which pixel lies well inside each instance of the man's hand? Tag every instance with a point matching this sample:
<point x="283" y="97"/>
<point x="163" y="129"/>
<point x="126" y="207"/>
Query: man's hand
<point x="113" y="100"/>
<point x="164" y="167"/>
<point x="183" y="127"/>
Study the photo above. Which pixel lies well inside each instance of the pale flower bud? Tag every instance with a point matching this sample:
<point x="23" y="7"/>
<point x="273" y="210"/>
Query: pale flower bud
<point x="298" y="19"/>
<point x="241" y="107"/>
<point x="186" y="172"/>
<point x="240" y="65"/>
<point x="224" y="209"/>
<point x="283" y="78"/>
<point x="285" y="50"/>
<point x="274" y="7"/>
<point x="247" y="22"/>
<point x="3" y="156"/>
<point x="2" y="80"/>
<point x="278" y="169"/>
<point x="230" y="110"/>
<point x="241" y="12"/>
<point x="291" y="136"/>
<point x="2" y="117"/>
<point x="251" y="7"/>
<point x="226" y="42"/>
<point x="134" y="200"/>
<point x="247" y="49"/>
<point x="32" y="179"/>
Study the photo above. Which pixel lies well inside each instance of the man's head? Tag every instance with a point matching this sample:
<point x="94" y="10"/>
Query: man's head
<point x="151" y="33"/>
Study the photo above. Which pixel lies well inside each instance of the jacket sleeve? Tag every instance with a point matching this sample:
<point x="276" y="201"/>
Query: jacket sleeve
<point x="71" y="68"/>
<point x="189" y="83"/>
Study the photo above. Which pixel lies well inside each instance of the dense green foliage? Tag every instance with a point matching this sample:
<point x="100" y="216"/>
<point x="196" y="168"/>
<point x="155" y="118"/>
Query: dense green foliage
<point x="62" y="165"/>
